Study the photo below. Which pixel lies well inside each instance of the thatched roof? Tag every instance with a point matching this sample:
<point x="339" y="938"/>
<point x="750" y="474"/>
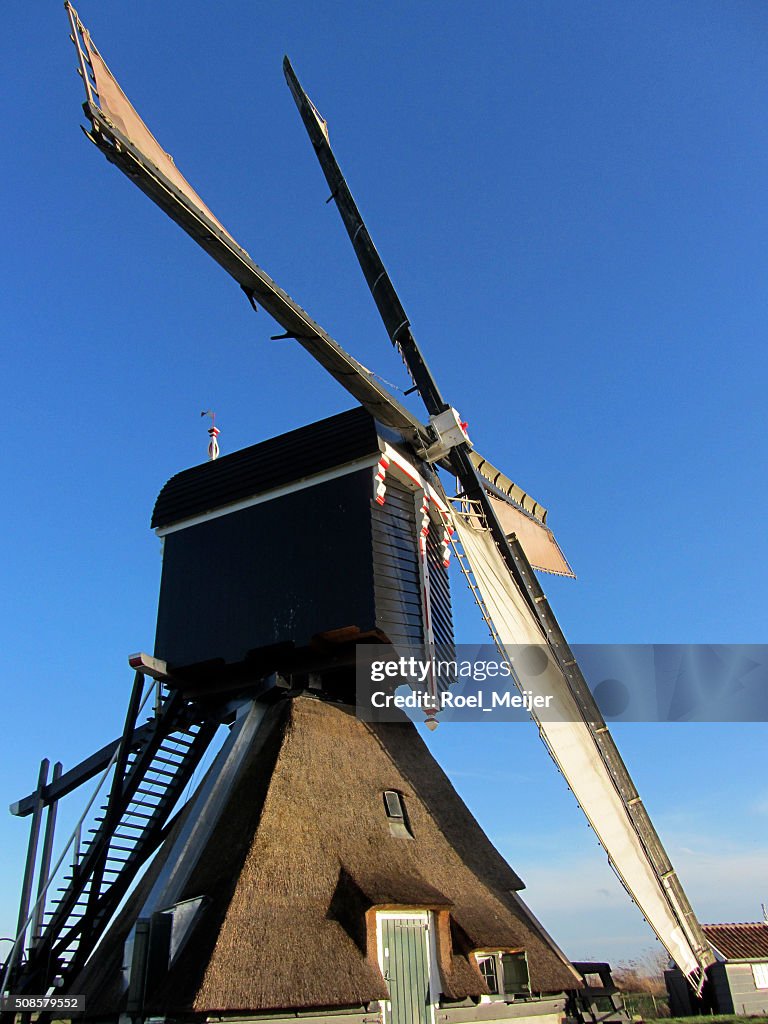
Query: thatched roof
<point x="304" y="852"/>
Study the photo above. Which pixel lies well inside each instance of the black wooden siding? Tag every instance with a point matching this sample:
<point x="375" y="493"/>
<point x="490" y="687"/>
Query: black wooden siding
<point x="274" y="573"/>
<point x="397" y="576"/>
<point x="440" y="594"/>
<point x="397" y="580"/>
<point x="321" y="558"/>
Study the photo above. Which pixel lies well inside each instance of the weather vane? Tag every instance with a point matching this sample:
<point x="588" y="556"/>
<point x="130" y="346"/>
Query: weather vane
<point x="213" y="433"/>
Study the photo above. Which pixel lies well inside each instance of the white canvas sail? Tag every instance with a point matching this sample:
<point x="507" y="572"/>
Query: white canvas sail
<point x="574" y="745"/>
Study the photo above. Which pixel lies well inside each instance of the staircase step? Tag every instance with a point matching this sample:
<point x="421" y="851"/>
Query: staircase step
<point x="137" y="814"/>
<point x="160" y="771"/>
<point x="148" y="792"/>
<point x="165" y="760"/>
<point x="143" y="803"/>
<point x="179" y="739"/>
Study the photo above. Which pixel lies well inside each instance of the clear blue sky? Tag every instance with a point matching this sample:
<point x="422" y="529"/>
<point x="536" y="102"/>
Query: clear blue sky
<point x="571" y="200"/>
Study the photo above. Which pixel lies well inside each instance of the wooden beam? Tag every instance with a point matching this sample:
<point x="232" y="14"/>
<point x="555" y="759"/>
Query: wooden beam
<point x="149" y="666"/>
<point x="76" y="776"/>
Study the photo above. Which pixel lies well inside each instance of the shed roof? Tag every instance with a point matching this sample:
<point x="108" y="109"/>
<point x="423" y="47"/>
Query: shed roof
<point x="739" y="941"/>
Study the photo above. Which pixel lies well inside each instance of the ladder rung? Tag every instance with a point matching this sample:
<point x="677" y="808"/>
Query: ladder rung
<point x="182" y="736"/>
<point x="175" y="751"/>
<point x="148" y="792"/>
<point x="177" y="735"/>
<point x="142" y="803"/>
<point x="160" y="771"/>
<point x="165" y="760"/>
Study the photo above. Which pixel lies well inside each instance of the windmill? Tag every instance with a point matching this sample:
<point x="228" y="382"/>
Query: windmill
<point x="499" y="533"/>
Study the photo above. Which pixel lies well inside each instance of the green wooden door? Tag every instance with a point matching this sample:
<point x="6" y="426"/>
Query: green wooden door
<point x="405" y="964"/>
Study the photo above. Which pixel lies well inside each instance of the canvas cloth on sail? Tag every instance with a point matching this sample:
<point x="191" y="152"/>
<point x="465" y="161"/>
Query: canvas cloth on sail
<point x="538" y="541"/>
<point x="115" y="105"/>
<point x="573" y="746"/>
<point x="520" y="514"/>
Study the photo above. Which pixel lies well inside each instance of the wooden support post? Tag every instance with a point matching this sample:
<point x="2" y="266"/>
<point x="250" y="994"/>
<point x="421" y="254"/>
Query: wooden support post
<point x="29" y="869"/>
<point x="45" y="862"/>
<point x="149" y="666"/>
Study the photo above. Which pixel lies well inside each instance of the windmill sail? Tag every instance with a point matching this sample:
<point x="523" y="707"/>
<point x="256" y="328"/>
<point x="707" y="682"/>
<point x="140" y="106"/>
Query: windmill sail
<point x="383" y="291"/>
<point x="521" y="515"/>
<point x="139" y="156"/>
<point x="538" y="541"/>
<point x="581" y="746"/>
<point x="116" y="106"/>
<point x="502" y="537"/>
<point x="519" y="512"/>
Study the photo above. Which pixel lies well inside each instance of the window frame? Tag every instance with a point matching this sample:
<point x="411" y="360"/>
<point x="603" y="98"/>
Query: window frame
<point x="489" y="958"/>
<point x="497" y="957"/>
<point x="399" y="824"/>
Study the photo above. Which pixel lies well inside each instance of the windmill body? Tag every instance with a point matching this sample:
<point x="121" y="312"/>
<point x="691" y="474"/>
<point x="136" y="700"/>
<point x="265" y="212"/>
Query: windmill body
<point x="324" y="866"/>
<point x="308" y="540"/>
<point x="321" y="855"/>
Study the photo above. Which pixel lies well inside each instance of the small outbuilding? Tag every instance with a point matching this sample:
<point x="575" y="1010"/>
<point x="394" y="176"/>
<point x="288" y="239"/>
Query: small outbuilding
<point x="737" y="982"/>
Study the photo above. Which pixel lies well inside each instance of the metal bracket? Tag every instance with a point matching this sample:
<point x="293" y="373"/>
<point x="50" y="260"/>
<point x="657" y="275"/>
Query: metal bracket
<point x="249" y="296"/>
<point x="448" y="431"/>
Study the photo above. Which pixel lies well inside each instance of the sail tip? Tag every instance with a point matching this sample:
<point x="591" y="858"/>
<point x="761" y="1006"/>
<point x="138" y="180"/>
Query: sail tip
<point x="292" y="80"/>
<point x="290" y="74"/>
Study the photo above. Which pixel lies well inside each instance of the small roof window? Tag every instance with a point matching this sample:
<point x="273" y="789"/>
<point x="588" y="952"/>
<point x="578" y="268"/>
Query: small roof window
<point x="394" y="805"/>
